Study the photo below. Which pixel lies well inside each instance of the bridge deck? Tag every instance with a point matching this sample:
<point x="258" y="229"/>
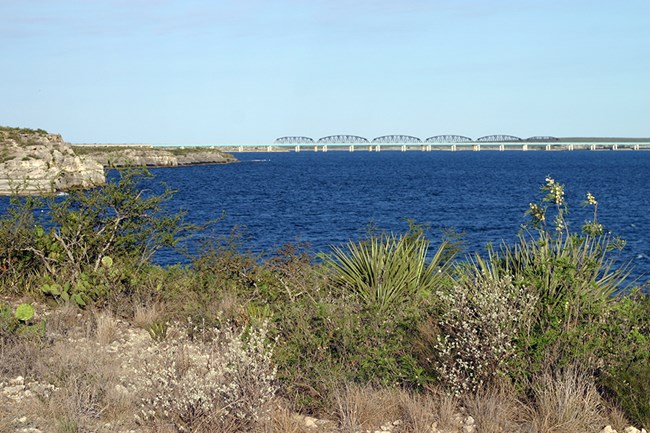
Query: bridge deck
<point x="426" y="147"/>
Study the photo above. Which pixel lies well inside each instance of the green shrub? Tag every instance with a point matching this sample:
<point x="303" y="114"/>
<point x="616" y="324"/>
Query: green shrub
<point x="97" y="241"/>
<point x="476" y="329"/>
<point x="625" y="377"/>
<point x="326" y="339"/>
<point x="20" y="242"/>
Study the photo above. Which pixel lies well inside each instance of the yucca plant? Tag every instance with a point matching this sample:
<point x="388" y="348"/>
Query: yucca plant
<point x="572" y="277"/>
<point x="572" y="272"/>
<point x="386" y="269"/>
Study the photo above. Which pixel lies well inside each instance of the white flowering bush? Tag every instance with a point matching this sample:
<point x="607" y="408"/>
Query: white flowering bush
<point x="480" y="319"/>
<point x="210" y="379"/>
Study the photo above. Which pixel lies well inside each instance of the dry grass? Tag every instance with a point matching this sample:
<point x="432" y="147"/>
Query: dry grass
<point x="283" y="420"/>
<point x="495" y="409"/>
<point x="617" y="419"/>
<point x="85" y="379"/>
<point x="64" y="320"/>
<point x="145" y="315"/>
<point x="370" y="409"/>
<point x="566" y="401"/>
<point x="365" y="408"/>
<point x="17" y="357"/>
<point x="424" y="413"/>
<point x="106" y="328"/>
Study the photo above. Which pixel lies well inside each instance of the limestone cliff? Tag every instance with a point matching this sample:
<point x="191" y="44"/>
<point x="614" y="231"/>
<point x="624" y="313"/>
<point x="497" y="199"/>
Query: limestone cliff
<point x="35" y="162"/>
<point x="149" y="156"/>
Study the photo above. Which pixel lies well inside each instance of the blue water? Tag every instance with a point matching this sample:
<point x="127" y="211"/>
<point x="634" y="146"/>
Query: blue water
<point x="329" y="198"/>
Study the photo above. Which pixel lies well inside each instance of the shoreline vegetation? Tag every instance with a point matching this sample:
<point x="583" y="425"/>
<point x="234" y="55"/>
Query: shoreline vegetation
<point x="544" y="335"/>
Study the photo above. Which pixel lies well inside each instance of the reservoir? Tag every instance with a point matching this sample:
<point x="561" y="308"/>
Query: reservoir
<point x="330" y="198"/>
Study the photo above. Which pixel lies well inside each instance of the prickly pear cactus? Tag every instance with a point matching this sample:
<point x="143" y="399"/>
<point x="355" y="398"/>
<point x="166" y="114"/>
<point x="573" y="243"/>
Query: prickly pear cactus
<point x="24" y="312"/>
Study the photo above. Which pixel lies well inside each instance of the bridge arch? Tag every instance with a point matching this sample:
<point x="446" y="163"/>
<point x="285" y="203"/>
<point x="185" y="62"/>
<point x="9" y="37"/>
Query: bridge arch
<point x="396" y="139"/>
<point x="342" y="139"/>
<point x="498" y="138"/>
<point x="448" y="139"/>
<point x="293" y="140"/>
<point x="542" y="138"/>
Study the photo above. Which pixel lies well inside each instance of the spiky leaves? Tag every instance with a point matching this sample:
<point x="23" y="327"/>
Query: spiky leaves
<point x="385" y="270"/>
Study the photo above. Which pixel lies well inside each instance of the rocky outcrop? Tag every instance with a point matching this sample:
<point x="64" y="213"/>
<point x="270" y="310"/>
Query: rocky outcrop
<point x="122" y="156"/>
<point x="131" y="157"/>
<point x="35" y="162"/>
<point x="198" y="157"/>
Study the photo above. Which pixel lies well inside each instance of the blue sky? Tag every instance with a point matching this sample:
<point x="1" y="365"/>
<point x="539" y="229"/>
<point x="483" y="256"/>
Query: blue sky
<point x="249" y="71"/>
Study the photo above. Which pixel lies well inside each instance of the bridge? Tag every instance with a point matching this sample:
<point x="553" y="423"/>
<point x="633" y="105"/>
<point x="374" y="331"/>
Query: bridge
<point x="407" y="139"/>
<point x="448" y="139"/>
<point x="498" y="139"/>
<point x="293" y="140"/>
<point x="342" y="139"/>
<point x="450" y="142"/>
<point x="396" y="139"/>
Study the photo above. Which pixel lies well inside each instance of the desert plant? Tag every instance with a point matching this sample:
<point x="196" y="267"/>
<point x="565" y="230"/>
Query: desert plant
<point x="384" y="270"/>
<point x="218" y="380"/>
<point x="479" y="320"/>
<point x="572" y="277"/>
<point x="565" y="401"/>
<point x="495" y="409"/>
<point x="19" y="322"/>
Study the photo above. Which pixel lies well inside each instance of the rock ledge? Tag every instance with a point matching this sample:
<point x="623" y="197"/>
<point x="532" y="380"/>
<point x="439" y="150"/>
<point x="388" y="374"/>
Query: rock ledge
<point x="35" y="162"/>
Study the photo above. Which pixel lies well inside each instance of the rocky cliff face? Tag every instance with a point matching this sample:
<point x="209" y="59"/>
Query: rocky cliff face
<point x="118" y="156"/>
<point x="145" y="157"/>
<point x="35" y="162"/>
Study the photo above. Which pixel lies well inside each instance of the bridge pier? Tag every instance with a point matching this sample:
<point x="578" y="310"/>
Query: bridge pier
<point x="453" y="147"/>
<point x="592" y="147"/>
<point x="403" y="147"/>
<point x="571" y="147"/>
<point x="548" y="147"/>
<point x="502" y="147"/>
<point x="297" y="148"/>
<point x="324" y="147"/>
<point x="269" y="149"/>
<point x="477" y="148"/>
<point x="524" y="147"/>
<point x="636" y="147"/>
<point x="351" y="148"/>
<point x="378" y="148"/>
<point x="614" y="146"/>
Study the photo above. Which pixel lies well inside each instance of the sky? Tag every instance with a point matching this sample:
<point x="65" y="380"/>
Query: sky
<point x="249" y="71"/>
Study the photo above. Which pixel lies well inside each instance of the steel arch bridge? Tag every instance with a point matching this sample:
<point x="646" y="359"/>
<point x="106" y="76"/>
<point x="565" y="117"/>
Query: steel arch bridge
<point x="396" y="139"/>
<point x="293" y="140"/>
<point x="498" y="138"/>
<point x="448" y="139"/>
<point x="542" y="138"/>
<point x="342" y="139"/>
